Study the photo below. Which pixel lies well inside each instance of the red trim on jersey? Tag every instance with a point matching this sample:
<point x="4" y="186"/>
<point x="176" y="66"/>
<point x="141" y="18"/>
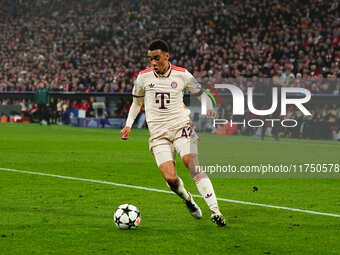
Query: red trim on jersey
<point x="146" y="70"/>
<point x="137" y="96"/>
<point x="155" y="73"/>
<point x="178" y="68"/>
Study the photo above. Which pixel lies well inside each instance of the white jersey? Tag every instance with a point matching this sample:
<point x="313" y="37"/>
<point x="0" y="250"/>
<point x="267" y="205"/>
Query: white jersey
<point x="163" y="97"/>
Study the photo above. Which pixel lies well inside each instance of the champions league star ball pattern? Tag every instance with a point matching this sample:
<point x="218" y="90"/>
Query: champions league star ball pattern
<point x="127" y="217"/>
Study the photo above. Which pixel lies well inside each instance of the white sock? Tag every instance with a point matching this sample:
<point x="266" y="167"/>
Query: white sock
<point x="206" y="189"/>
<point x="181" y="191"/>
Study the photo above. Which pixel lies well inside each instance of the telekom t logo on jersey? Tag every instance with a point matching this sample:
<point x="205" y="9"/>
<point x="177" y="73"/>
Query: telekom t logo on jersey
<point x="161" y="98"/>
<point x="238" y="100"/>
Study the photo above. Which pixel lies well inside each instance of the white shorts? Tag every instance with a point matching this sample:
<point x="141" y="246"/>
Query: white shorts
<point x="183" y="140"/>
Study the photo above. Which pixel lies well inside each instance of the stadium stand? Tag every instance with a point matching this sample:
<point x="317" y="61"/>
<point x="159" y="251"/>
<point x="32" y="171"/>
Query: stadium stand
<point x="99" y="46"/>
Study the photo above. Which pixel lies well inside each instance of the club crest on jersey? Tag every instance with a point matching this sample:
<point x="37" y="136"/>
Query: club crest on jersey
<point x="173" y="85"/>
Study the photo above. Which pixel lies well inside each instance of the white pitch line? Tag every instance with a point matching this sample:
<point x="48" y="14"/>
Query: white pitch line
<point x="168" y="192"/>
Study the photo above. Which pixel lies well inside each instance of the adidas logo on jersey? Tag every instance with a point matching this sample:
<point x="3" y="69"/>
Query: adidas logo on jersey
<point x="151" y="85"/>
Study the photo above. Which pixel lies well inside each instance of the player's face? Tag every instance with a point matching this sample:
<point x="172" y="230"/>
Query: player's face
<point x="159" y="60"/>
<point x="276" y="79"/>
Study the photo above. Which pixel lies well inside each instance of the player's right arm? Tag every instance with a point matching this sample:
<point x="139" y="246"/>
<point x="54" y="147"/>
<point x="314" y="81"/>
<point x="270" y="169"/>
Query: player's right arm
<point x="138" y="98"/>
<point x="133" y="112"/>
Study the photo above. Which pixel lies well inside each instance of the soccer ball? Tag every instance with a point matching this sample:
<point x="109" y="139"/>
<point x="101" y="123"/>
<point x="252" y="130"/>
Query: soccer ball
<point x="127" y="217"/>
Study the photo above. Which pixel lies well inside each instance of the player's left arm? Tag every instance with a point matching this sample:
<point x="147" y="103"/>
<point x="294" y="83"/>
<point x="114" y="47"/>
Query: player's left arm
<point x="195" y="88"/>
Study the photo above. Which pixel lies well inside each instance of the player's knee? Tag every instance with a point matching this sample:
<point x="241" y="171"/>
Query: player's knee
<point x="190" y="161"/>
<point x="187" y="160"/>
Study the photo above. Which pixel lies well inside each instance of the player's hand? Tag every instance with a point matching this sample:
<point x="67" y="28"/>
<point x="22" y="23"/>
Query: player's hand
<point x="124" y="133"/>
<point x="212" y="114"/>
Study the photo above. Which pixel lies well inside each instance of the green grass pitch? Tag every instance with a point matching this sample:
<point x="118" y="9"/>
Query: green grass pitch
<point x="48" y="215"/>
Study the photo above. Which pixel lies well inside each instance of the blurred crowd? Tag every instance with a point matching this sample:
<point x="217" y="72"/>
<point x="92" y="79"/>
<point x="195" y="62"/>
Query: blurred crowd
<point x="324" y="123"/>
<point x="57" y="108"/>
<point x="60" y="108"/>
<point x="99" y="46"/>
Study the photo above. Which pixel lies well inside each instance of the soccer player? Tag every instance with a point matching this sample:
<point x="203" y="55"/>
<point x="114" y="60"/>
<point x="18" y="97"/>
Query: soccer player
<point x="42" y="100"/>
<point x="161" y="88"/>
<point x="268" y="97"/>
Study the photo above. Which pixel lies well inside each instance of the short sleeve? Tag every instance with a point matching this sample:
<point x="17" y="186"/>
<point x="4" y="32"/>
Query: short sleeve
<point x="192" y="84"/>
<point x="138" y="87"/>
